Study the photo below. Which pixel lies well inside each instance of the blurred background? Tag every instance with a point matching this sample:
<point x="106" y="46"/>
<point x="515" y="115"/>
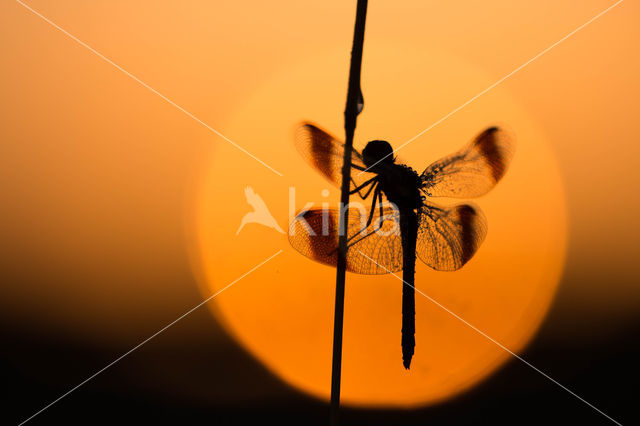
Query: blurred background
<point x="96" y="173"/>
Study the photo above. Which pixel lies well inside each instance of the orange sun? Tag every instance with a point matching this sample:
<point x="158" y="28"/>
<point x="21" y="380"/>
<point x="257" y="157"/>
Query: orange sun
<point x="282" y="312"/>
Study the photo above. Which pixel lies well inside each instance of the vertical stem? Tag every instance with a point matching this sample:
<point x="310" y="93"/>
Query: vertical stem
<point x="350" y="116"/>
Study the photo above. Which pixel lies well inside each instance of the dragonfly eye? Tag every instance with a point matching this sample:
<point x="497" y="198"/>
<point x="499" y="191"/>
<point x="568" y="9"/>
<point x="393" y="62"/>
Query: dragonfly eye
<point x="377" y="151"/>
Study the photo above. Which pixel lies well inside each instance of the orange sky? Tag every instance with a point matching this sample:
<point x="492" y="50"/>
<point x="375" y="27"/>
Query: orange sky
<point x="97" y="171"/>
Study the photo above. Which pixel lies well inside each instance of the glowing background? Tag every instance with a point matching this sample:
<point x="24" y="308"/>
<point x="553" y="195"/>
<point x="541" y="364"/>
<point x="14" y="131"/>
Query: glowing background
<point x="97" y="171"/>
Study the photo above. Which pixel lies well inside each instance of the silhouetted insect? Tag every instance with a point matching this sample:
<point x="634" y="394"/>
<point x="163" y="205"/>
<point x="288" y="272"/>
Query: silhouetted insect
<point x="444" y="238"/>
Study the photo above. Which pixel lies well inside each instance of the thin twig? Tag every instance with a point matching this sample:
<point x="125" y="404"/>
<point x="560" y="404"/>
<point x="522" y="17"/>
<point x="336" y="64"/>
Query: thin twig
<point x="354" y="96"/>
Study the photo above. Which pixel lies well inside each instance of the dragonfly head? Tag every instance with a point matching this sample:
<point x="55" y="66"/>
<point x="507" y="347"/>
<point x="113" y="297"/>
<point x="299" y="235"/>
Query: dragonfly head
<point x="377" y="153"/>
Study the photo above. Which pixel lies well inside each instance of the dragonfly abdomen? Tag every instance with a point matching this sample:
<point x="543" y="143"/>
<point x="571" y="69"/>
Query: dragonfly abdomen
<point x="409" y="233"/>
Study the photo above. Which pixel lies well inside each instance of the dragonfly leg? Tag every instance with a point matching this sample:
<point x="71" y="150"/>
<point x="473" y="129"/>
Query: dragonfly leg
<point x="381" y="211"/>
<point x="364" y="185"/>
<point x="378" y="195"/>
<point x="371" y="188"/>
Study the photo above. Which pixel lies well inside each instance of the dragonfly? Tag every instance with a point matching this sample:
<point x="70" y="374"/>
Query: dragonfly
<point x="403" y="222"/>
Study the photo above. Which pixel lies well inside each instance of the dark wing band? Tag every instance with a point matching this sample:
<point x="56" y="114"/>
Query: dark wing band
<point x="325" y="153"/>
<point x="314" y="233"/>
<point x="472" y="171"/>
<point x="449" y="236"/>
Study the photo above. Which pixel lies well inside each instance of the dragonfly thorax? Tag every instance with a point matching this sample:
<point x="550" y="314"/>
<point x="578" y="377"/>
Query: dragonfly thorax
<point x="401" y="184"/>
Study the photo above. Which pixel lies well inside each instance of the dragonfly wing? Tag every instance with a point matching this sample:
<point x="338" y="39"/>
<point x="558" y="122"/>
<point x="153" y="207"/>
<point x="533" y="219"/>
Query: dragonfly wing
<point x="326" y="153"/>
<point x="473" y="170"/>
<point x="314" y="233"/>
<point x="449" y="236"/>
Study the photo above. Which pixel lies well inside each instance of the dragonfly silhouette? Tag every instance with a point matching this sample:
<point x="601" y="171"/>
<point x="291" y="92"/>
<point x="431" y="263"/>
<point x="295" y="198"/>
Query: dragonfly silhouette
<point x="443" y="237"/>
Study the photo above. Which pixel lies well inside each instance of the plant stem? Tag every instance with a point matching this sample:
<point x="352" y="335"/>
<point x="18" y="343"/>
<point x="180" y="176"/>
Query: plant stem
<point x="350" y="117"/>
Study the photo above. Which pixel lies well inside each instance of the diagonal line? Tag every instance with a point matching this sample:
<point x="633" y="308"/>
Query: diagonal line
<point x="35" y="12"/>
<point x="149" y="338"/>
<point x="495" y="84"/>
<point x="496" y="342"/>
